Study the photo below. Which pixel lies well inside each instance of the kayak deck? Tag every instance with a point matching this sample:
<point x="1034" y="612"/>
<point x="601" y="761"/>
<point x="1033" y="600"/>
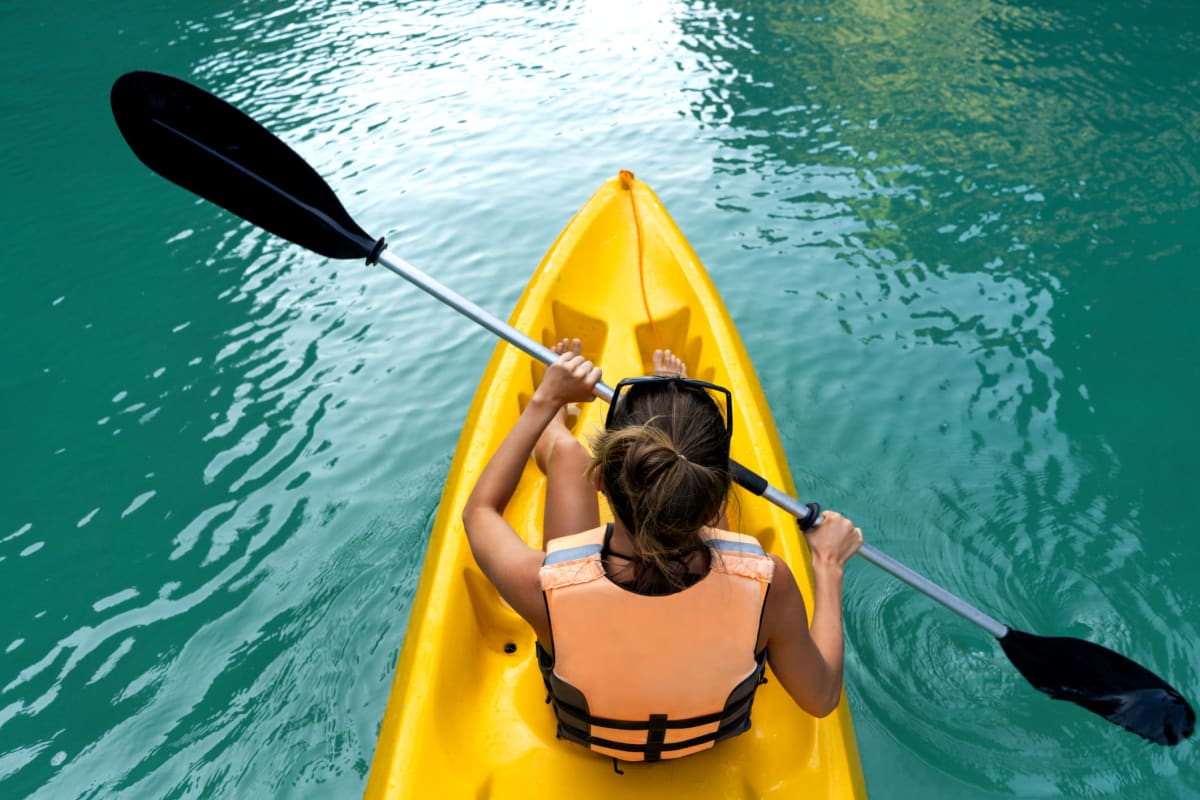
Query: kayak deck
<point x="467" y="715"/>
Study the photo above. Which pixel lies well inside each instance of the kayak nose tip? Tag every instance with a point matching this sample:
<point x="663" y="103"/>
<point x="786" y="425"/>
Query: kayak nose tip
<point x="626" y="179"/>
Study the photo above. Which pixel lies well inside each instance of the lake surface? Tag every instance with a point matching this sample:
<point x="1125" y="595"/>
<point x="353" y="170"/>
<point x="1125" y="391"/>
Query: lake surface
<point x="959" y="240"/>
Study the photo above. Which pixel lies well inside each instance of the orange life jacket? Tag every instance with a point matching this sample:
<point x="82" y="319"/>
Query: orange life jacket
<point x="643" y="678"/>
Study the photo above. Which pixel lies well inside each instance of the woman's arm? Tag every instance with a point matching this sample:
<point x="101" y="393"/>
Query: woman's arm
<point x="806" y="659"/>
<point x="507" y="561"/>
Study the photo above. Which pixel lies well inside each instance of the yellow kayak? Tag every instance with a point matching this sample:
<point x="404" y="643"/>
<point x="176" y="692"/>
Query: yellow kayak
<point x="467" y="716"/>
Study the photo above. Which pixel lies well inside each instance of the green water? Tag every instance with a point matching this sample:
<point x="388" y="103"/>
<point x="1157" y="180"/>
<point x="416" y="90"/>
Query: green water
<point x="958" y="239"/>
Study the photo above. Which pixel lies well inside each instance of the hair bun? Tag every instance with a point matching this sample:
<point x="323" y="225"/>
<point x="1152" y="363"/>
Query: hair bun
<point x="648" y="457"/>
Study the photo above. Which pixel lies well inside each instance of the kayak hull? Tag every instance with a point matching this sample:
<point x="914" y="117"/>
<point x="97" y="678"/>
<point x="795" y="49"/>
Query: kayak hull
<point x="467" y="715"/>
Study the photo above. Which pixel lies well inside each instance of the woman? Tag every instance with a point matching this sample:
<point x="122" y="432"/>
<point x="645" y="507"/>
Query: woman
<point x="653" y="630"/>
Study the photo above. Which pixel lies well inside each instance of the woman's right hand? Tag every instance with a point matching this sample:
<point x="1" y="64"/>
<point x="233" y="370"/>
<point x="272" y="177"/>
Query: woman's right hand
<point x="569" y="379"/>
<point x="834" y="541"/>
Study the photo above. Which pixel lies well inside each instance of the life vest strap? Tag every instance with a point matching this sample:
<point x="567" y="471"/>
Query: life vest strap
<point x="652" y="750"/>
<point x="575" y="723"/>
<point x="659" y="722"/>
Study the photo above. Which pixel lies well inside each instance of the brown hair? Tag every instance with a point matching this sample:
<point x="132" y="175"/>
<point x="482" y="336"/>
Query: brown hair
<point x="665" y="469"/>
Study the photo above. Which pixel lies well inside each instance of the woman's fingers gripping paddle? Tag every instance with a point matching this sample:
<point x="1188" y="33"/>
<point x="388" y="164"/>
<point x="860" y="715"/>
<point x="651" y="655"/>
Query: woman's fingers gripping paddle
<point x="569" y="379"/>
<point x="834" y="541"/>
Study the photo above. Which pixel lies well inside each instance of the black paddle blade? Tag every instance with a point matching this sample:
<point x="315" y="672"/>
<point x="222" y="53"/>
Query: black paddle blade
<point x="1103" y="682"/>
<point x="209" y="147"/>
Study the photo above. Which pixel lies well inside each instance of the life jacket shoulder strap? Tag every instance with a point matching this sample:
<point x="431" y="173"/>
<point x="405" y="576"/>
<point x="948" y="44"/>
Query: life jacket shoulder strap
<point x="739" y="554"/>
<point x="573" y="559"/>
<point x="577" y="558"/>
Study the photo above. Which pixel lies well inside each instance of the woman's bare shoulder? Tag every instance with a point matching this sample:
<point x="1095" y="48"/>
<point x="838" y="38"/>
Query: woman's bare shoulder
<point x="784" y="600"/>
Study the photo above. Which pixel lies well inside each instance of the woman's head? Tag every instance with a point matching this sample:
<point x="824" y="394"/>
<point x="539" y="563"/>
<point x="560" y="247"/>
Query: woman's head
<point x="664" y="466"/>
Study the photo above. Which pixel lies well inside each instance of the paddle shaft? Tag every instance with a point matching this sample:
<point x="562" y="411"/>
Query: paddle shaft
<point x="744" y="476"/>
<point x="207" y="146"/>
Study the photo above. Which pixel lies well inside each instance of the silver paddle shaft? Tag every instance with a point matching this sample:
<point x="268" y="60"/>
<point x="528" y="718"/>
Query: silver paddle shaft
<point x="481" y="315"/>
<point x="788" y="503"/>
